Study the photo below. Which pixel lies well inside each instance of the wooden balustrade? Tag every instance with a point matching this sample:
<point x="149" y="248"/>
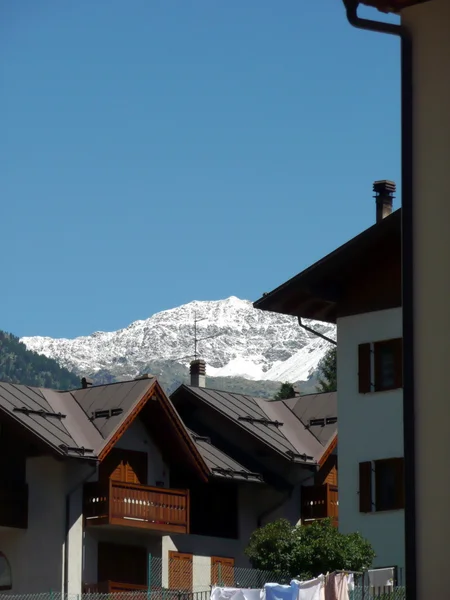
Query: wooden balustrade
<point x="319" y="502"/>
<point x="14" y="506"/>
<point x="134" y="505"/>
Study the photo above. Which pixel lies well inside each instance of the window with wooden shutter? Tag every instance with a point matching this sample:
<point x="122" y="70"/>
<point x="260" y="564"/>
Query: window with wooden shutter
<point x="385" y="372"/>
<point x="180" y="571"/>
<point x="389" y="484"/>
<point x="365" y="487"/>
<point x="364" y="369"/>
<point x="222" y="571"/>
<point x="127" y="466"/>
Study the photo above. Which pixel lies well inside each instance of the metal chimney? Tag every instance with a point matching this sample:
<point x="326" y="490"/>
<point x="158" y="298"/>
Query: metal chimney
<point x="198" y="373"/>
<point x="384" y="198"/>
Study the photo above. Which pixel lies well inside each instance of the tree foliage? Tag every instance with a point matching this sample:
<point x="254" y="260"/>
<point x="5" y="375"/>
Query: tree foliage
<point x="286" y="391"/>
<point x="327" y="368"/>
<point x="307" y="551"/>
<point x="19" y="365"/>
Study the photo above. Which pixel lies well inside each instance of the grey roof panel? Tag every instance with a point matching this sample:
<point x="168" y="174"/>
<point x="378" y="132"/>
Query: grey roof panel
<point x="122" y="395"/>
<point x="289" y="439"/>
<point x="316" y="406"/>
<point x="220" y="464"/>
<point x="50" y="429"/>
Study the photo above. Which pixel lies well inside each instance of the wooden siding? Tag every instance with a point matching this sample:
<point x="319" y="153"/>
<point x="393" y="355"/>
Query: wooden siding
<point x="319" y="502"/>
<point x="328" y="473"/>
<point x="134" y="505"/>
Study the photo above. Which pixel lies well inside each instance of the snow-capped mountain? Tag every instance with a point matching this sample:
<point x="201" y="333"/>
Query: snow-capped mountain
<point x="234" y="339"/>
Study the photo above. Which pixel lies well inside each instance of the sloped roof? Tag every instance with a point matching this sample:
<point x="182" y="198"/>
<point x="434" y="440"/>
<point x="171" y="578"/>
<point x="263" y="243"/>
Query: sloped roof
<point x="220" y="464"/>
<point x="387" y="6"/>
<point x="273" y="423"/>
<point x="70" y="424"/>
<point x="318" y="412"/>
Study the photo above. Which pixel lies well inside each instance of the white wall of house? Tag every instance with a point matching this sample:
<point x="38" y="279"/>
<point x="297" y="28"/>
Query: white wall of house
<point x="370" y="428"/>
<point x="36" y="554"/>
<point x="136" y="437"/>
<point x="429" y="25"/>
<point x="254" y="500"/>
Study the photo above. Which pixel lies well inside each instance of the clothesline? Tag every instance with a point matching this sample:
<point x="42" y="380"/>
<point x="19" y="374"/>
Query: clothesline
<point x="333" y="586"/>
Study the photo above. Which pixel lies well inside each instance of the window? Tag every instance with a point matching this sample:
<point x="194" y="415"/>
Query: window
<point x="381" y="485"/>
<point x="222" y="571"/>
<point x="5" y="573"/>
<point x="380" y="366"/>
<point x="180" y="571"/>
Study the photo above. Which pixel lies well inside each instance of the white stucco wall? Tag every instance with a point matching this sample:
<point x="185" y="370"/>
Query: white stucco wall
<point x="253" y="501"/>
<point x="370" y="428"/>
<point x="36" y="554"/>
<point x="429" y="25"/>
<point x="136" y="437"/>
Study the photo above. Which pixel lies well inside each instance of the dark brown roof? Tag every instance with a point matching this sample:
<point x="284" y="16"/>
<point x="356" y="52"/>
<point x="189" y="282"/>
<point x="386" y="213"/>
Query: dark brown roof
<point x="220" y="464"/>
<point x="70" y="422"/>
<point x="318" y="412"/>
<point x="273" y="423"/>
<point x="387" y="6"/>
<point x="315" y="292"/>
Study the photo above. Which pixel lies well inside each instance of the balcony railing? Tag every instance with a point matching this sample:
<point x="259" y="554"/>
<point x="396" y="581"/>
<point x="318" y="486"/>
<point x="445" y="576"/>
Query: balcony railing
<point x="14" y="506"/>
<point x="133" y="505"/>
<point x="320" y="502"/>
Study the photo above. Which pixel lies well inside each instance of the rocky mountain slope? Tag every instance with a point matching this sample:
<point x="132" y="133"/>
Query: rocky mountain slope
<point x="237" y="342"/>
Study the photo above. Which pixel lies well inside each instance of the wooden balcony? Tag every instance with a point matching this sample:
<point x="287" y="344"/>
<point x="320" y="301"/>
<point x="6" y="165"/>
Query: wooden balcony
<point x="14" y="506"/>
<point x="320" y="502"/>
<point x="133" y="505"/>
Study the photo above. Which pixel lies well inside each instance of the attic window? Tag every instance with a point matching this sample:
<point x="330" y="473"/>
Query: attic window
<point x="5" y="573"/>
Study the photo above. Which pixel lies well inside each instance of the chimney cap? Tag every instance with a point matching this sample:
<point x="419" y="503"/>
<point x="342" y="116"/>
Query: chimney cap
<point x="384" y="186"/>
<point x="144" y="376"/>
<point x="86" y="382"/>
<point x="198" y="366"/>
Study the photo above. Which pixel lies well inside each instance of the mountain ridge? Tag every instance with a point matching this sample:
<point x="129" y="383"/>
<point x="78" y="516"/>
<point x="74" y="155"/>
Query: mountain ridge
<point x="236" y="340"/>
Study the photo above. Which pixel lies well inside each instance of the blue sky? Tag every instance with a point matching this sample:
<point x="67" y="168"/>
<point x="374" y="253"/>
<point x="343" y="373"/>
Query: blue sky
<point x="155" y="152"/>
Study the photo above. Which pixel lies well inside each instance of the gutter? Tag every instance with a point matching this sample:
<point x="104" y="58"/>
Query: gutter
<point x="313" y="331"/>
<point x="67" y="527"/>
<point x="409" y="442"/>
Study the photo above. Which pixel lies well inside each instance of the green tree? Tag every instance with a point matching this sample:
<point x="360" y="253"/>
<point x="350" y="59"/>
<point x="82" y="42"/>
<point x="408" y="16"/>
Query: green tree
<point x="327" y="369"/>
<point x="307" y="551"/>
<point x="286" y="391"/>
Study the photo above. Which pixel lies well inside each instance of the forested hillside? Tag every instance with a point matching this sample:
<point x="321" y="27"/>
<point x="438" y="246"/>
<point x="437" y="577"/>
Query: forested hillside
<point x="19" y="365"/>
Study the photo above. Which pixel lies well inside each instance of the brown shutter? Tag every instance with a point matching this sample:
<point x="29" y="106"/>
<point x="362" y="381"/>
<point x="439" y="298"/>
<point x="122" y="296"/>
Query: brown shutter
<point x="365" y="487"/>
<point x="399" y="465"/>
<point x="364" y="378"/>
<point x="127" y="466"/>
<point x="222" y="571"/>
<point x="398" y="361"/>
<point x="180" y="571"/>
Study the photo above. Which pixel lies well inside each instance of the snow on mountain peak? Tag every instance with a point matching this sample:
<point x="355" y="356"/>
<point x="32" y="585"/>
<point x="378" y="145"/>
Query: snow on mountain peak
<point x="235" y="340"/>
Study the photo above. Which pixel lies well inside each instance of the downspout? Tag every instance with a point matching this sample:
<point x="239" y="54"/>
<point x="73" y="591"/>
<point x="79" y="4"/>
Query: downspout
<point x="407" y="280"/>
<point x="67" y="527"/>
<point x="311" y="330"/>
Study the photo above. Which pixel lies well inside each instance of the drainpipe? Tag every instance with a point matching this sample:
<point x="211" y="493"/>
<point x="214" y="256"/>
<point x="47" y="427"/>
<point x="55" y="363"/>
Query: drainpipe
<point x="311" y="330"/>
<point x="67" y="527"/>
<point x="407" y="280"/>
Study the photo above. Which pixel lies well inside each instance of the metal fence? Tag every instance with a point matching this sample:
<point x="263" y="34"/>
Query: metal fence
<point x="380" y="593"/>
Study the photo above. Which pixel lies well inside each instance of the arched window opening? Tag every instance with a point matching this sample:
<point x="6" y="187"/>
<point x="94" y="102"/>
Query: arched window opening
<point x="5" y="573"/>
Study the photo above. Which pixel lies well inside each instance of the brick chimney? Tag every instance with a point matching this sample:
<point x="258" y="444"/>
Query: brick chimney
<point x="384" y="198"/>
<point x="198" y="373"/>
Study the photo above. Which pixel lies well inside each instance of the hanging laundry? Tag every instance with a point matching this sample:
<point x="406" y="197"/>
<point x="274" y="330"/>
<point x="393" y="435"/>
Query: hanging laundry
<point x="351" y="582"/>
<point x="313" y="589"/>
<point x="275" y="591"/>
<point x="336" y="586"/>
<point x="220" y="593"/>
